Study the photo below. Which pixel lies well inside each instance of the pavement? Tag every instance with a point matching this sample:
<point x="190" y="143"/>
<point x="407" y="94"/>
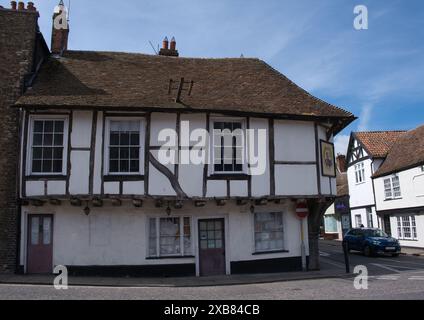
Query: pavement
<point x="332" y="267"/>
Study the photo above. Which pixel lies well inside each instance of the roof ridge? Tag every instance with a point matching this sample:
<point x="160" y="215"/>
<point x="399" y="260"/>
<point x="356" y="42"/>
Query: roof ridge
<point x="162" y="57"/>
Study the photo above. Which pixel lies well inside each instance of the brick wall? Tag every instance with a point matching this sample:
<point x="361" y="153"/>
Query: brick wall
<point x="17" y="39"/>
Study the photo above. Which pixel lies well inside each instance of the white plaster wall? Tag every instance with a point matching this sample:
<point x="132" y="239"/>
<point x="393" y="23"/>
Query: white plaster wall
<point x="117" y="235"/>
<point x="80" y="172"/>
<point x="190" y="176"/>
<point x="34" y="188"/>
<point x="411" y="186"/>
<point x="56" y="187"/>
<point x="261" y="183"/>
<point x="158" y="122"/>
<point x="159" y="184"/>
<point x="216" y="188"/>
<point x="295" y="180"/>
<point x="98" y="157"/>
<point x="294" y="140"/>
<point x="133" y="187"/>
<point x="361" y="194"/>
<point x="362" y="211"/>
<point x="238" y="189"/>
<point x="81" y="129"/>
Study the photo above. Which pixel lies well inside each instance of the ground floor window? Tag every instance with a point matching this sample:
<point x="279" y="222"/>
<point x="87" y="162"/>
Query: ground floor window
<point x="358" y="220"/>
<point x="370" y="223"/>
<point x="406" y="227"/>
<point x="330" y="223"/>
<point x="269" y="231"/>
<point x="170" y="236"/>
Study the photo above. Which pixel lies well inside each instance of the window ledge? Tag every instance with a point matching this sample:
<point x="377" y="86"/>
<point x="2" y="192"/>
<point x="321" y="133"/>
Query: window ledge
<point x="391" y="199"/>
<point x="46" y="177"/>
<point x="123" y="177"/>
<point x="413" y="240"/>
<point x="268" y="252"/>
<point x="169" y="257"/>
<point x="228" y="176"/>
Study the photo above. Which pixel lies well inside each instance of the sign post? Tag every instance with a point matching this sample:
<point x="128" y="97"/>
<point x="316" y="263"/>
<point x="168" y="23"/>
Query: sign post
<point x="302" y="212"/>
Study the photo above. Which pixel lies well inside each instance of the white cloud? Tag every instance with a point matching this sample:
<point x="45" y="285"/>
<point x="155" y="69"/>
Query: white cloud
<point x="340" y="143"/>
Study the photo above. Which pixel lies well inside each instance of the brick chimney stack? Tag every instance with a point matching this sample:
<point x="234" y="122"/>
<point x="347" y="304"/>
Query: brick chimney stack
<point x="341" y="162"/>
<point x="60" y="30"/>
<point x="171" y="51"/>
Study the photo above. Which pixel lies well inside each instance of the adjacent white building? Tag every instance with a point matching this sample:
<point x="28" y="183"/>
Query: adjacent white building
<point x="399" y="189"/>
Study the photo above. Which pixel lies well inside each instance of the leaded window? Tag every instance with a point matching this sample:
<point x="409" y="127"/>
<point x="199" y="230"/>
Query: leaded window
<point x="269" y="234"/>
<point x="170" y="236"/>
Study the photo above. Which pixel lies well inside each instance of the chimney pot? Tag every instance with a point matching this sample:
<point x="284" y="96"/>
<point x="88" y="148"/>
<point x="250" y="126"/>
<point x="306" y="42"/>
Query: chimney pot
<point x="21" y="6"/>
<point x="173" y="44"/>
<point x="30" y="6"/>
<point x="13" y="5"/>
<point x="165" y="43"/>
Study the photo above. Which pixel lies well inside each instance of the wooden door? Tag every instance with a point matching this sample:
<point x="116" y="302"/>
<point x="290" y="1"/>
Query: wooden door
<point x="40" y="244"/>
<point x="387" y="227"/>
<point x="211" y="247"/>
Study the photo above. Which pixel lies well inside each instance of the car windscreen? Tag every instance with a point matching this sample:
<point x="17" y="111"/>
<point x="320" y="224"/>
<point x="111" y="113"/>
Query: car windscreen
<point x="375" y="233"/>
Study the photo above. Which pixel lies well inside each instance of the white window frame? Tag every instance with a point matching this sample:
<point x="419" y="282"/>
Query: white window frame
<point x="212" y="144"/>
<point x="386" y="182"/>
<point x="358" y="222"/>
<point x="31" y="119"/>
<point x="359" y="169"/>
<point x="400" y="227"/>
<point x="181" y="225"/>
<point x="283" y="219"/>
<point x="370" y="221"/>
<point x="108" y="119"/>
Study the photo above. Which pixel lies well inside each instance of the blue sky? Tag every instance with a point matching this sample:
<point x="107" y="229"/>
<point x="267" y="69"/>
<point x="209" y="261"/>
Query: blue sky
<point x="377" y="74"/>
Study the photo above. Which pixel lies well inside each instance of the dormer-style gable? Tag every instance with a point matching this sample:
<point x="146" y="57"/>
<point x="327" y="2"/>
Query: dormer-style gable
<point x="370" y="144"/>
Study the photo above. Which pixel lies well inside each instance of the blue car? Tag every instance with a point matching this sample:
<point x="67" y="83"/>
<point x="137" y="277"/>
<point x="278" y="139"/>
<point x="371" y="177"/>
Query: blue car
<point x="371" y="241"/>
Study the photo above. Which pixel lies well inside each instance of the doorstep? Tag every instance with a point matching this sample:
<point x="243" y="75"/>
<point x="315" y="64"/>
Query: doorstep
<point x="175" y="282"/>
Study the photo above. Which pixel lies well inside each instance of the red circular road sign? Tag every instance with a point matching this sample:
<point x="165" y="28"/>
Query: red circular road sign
<point x="302" y="209"/>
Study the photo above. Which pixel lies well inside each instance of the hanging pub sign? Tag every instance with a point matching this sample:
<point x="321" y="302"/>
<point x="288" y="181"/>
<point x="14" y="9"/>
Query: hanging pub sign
<point x="328" y="165"/>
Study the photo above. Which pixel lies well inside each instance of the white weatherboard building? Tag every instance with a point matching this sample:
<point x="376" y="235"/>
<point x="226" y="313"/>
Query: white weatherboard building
<point x="97" y="198"/>
<point x="399" y="189"/>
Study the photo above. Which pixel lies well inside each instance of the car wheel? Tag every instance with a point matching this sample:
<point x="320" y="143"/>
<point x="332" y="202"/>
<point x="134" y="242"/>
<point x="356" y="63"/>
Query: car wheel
<point x="367" y="251"/>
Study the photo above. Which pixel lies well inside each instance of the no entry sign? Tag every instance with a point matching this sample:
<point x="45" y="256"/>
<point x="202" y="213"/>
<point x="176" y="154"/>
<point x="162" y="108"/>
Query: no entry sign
<point x="302" y="209"/>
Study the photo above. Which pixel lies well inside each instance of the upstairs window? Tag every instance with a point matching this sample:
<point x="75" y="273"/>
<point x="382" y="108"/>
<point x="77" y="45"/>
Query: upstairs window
<point x="228" y="147"/>
<point x="392" y="188"/>
<point x="359" y="172"/>
<point x="47" y="146"/>
<point x="124" y="146"/>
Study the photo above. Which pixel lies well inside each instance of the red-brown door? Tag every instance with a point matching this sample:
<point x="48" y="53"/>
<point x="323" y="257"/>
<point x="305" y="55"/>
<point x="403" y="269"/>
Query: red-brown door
<point x="40" y="244"/>
<point x="211" y="247"/>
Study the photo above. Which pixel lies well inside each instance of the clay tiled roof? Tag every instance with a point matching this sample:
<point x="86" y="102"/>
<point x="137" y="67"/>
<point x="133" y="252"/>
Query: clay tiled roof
<point x="406" y="152"/>
<point x="109" y="79"/>
<point x="378" y="143"/>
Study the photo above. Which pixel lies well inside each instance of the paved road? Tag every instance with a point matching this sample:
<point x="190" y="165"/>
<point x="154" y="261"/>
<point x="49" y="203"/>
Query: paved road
<point x="332" y="257"/>
<point x="390" y="278"/>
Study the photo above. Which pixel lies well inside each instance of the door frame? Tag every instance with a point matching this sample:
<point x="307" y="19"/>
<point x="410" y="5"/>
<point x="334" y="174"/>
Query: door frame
<point x="28" y="237"/>
<point x="226" y="241"/>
